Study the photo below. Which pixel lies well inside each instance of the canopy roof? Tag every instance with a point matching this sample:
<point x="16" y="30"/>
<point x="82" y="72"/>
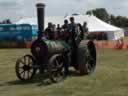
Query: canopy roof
<point x="93" y="23"/>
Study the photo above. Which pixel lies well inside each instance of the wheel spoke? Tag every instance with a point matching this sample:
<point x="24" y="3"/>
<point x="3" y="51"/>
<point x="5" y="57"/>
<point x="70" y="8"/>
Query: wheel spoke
<point x="22" y="72"/>
<point x="23" y="75"/>
<point x="25" y="60"/>
<point x="22" y="62"/>
<point x="30" y="62"/>
<point x="57" y="63"/>
<point x="20" y="67"/>
<point x="61" y="65"/>
<point x="28" y="73"/>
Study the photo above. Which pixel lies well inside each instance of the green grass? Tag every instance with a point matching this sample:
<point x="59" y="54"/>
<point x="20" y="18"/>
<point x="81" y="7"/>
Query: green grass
<point x="125" y="39"/>
<point x="110" y="78"/>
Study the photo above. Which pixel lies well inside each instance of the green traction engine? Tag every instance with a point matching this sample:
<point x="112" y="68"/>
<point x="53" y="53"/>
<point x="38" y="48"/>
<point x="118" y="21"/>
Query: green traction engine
<point x="54" y="57"/>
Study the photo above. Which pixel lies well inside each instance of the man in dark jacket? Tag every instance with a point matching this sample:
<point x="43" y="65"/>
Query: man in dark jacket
<point x="49" y="31"/>
<point x="73" y="33"/>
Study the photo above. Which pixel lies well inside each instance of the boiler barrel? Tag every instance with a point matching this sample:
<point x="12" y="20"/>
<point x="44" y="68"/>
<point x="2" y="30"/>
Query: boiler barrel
<point x="48" y="48"/>
<point x="57" y="46"/>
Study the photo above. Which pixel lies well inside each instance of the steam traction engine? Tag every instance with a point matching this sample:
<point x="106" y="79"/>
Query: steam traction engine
<point x="54" y="56"/>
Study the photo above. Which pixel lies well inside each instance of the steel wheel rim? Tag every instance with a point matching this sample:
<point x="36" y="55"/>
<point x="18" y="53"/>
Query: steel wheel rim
<point x="57" y="69"/>
<point x="24" y="68"/>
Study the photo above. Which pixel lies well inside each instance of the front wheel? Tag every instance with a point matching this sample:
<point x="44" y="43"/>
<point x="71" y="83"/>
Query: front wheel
<point x="57" y="68"/>
<point x="24" y="68"/>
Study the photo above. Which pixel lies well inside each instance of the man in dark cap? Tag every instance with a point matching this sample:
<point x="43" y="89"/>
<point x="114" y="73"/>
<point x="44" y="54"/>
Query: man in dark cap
<point x="73" y="32"/>
<point x="65" y="28"/>
<point x="49" y="31"/>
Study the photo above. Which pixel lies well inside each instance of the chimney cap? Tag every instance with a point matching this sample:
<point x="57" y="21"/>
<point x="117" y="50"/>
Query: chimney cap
<point x="40" y="4"/>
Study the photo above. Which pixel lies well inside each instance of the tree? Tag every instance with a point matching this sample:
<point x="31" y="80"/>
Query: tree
<point x="6" y="21"/>
<point x="100" y="13"/>
<point x="119" y="21"/>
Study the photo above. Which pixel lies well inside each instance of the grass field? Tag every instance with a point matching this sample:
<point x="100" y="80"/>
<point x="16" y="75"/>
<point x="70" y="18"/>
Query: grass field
<point x="110" y="78"/>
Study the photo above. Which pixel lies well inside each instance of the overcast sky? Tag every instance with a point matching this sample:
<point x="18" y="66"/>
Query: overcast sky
<point x="16" y="9"/>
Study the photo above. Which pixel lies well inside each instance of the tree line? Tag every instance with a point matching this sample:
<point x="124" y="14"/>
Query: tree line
<point x="101" y="13"/>
<point x="6" y="21"/>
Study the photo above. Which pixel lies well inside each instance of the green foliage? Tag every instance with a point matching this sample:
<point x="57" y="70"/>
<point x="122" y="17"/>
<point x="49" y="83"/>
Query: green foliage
<point x="102" y="14"/>
<point x="119" y="21"/>
<point x="6" y="21"/>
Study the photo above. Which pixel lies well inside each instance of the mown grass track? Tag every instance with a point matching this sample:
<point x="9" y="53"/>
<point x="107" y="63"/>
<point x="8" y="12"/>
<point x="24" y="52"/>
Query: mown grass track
<point x="110" y="78"/>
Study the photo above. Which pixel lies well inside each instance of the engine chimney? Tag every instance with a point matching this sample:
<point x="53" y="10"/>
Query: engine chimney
<point x="40" y="16"/>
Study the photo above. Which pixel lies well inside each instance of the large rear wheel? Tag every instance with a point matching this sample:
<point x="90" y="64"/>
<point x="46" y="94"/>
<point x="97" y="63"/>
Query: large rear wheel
<point x="87" y="58"/>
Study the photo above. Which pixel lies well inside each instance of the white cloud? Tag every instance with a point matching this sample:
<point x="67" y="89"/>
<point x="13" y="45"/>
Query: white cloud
<point x="26" y="8"/>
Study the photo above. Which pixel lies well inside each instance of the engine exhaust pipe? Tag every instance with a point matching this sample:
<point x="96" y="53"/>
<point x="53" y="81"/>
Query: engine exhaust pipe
<point x="40" y="18"/>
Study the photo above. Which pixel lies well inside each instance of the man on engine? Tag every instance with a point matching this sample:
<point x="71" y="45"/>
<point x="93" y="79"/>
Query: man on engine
<point x="49" y="31"/>
<point x="73" y="33"/>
